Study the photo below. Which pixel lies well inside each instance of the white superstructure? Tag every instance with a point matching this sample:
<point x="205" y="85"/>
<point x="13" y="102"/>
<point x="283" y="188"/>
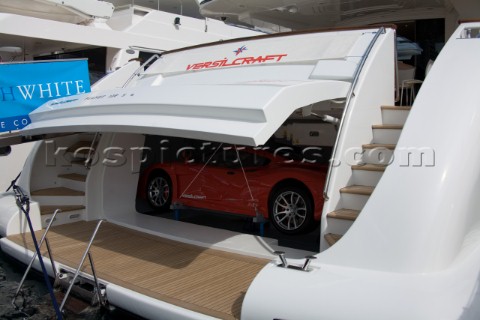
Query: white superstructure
<point x="399" y="231"/>
<point x="298" y="15"/>
<point x="37" y="29"/>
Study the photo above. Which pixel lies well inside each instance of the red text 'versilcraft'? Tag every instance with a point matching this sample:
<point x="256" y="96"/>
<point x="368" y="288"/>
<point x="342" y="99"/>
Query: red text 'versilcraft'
<point x="236" y="62"/>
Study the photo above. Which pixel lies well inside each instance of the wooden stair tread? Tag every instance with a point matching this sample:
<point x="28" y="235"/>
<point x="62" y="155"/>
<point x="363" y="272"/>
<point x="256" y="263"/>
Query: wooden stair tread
<point x="379" y="145"/>
<point x="73" y="176"/>
<point x="399" y="108"/>
<point x="77" y="161"/>
<point x="60" y="191"/>
<point x="51" y="209"/>
<point x="388" y="126"/>
<point x="356" y="189"/>
<point x="370" y="167"/>
<point x="344" y="214"/>
<point x="332" y="238"/>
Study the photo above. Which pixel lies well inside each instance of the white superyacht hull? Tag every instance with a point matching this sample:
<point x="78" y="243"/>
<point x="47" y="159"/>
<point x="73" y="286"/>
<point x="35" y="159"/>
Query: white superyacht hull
<point x="425" y="221"/>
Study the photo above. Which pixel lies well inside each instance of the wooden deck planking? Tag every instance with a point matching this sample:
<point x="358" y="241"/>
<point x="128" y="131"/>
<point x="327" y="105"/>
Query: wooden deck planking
<point x="59" y="191"/>
<point x="205" y="280"/>
<point x="44" y="210"/>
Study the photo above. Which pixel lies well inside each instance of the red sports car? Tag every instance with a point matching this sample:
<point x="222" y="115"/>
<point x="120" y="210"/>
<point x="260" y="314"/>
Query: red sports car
<point x="240" y="180"/>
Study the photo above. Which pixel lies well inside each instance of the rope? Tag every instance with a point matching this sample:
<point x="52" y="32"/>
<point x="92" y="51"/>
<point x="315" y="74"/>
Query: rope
<point x="259" y="218"/>
<point x="14" y="181"/>
<point x="246" y="180"/>
<point x="198" y="173"/>
<point x="23" y="203"/>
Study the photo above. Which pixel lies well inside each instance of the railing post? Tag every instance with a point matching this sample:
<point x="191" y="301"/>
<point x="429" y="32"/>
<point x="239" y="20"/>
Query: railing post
<point x="152" y="58"/>
<point x="44" y="238"/>
<point x="23" y="202"/>
<point x="72" y="282"/>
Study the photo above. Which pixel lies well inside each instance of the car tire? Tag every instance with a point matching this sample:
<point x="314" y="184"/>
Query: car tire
<point x="159" y="191"/>
<point x="291" y="210"/>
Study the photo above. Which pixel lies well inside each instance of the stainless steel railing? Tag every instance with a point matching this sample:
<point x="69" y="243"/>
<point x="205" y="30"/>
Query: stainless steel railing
<point x="44" y="239"/>
<point x="77" y="272"/>
<point x="141" y="68"/>
<point x="347" y="109"/>
<point x="91" y="151"/>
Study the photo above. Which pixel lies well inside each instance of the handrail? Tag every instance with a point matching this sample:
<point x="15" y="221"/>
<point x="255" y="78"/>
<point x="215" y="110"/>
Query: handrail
<point x="90" y="151"/>
<point x="77" y="272"/>
<point x="44" y="238"/>
<point x="397" y="80"/>
<point x="23" y="202"/>
<point x="137" y="72"/>
<point x="346" y="109"/>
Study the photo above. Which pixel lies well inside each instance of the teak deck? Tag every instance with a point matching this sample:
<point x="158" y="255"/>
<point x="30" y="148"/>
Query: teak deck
<point x="205" y="280"/>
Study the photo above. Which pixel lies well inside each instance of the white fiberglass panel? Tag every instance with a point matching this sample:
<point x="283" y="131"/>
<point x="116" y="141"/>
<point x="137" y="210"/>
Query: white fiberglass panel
<point x="413" y="252"/>
<point x="235" y="92"/>
<point x="241" y="114"/>
<point x="294" y="48"/>
<point x="427" y="200"/>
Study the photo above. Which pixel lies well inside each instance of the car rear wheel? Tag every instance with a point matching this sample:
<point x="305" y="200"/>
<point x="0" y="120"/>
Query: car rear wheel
<point x="291" y="210"/>
<point x="159" y="191"/>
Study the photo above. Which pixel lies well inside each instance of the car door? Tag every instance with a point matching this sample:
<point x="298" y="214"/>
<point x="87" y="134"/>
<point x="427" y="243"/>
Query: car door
<point x="222" y="178"/>
<point x="228" y="181"/>
<point x="188" y="171"/>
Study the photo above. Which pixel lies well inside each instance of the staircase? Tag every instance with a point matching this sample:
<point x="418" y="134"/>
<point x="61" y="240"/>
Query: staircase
<point x="69" y="196"/>
<point x="376" y="157"/>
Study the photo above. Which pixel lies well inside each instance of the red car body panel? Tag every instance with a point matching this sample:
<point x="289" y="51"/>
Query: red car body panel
<point x="224" y="188"/>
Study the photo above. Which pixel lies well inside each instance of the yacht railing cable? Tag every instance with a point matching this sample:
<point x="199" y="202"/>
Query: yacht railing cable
<point x="244" y="174"/>
<point x="44" y="238"/>
<point x="200" y="171"/>
<point x="258" y="216"/>
<point x="23" y="202"/>
<point x="14" y="181"/>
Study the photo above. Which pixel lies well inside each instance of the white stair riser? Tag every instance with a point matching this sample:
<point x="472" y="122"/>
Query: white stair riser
<point x="68" y="157"/>
<point x="387" y="136"/>
<point x="74" y="168"/>
<point x="72" y="184"/>
<point x="366" y="177"/>
<point x="353" y="201"/>
<point x="394" y="116"/>
<point x="338" y="226"/>
<point x="381" y="156"/>
<point x="60" y="200"/>
<point x="64" y="217"/>
<point x="378" y="155"/>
